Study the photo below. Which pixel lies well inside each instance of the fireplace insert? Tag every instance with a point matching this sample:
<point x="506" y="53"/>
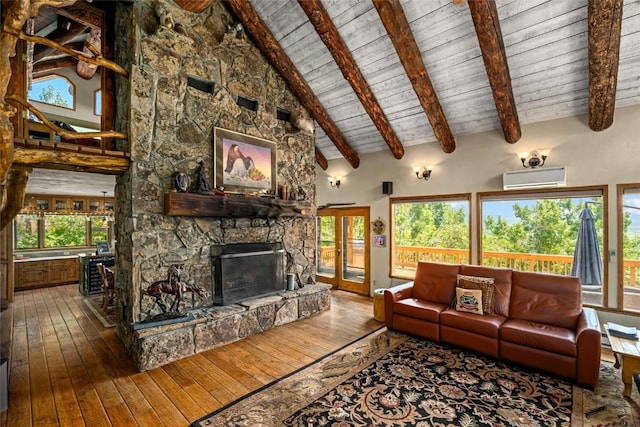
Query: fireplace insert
<point x="246" y="270"/>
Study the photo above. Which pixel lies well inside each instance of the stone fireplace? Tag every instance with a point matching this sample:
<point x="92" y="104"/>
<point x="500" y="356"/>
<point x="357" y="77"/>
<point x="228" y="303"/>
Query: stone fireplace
<point x="246" y="270"/>
<point x="170" y="121"/>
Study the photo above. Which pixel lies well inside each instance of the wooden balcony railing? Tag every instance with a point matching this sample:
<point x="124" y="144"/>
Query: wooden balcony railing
<point x="407" y="257"/>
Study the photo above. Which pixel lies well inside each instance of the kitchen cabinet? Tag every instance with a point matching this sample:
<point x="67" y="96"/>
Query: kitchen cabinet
<point x="43" y="272"/>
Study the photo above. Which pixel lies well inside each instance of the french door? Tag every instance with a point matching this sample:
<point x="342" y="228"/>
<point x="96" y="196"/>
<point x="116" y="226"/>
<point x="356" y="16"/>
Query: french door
<point x="343" y="248"/>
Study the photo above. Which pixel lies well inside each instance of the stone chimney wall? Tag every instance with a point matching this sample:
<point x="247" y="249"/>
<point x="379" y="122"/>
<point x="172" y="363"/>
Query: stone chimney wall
<point x="170" y="126"/>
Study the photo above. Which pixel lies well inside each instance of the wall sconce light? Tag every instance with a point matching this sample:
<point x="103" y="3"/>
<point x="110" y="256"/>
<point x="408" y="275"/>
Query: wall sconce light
<point x="423" y="173"/>
<point x="335" y="182"/>
<point x="533" y="159"/>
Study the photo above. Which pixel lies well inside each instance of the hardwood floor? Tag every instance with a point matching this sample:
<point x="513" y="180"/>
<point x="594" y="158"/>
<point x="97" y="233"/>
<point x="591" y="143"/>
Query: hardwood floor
<point x="69" y="370"/>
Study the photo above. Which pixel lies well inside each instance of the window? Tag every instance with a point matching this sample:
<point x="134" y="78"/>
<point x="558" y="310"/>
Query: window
<point x="64" y="230"/>
<point x="428" y="229"/>
<point x="26" y="233"/>
<point x="53" y="90"/>
<point x="629" y="247"/>
<point x="97" y="102"/>
<point x="99" y="229"/>
<point x="539" y="232"/>
<point x="37" y="231"/>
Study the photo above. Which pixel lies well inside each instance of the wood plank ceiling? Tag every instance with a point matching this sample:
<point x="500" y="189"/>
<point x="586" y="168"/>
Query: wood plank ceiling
<point x="375" y="83"/>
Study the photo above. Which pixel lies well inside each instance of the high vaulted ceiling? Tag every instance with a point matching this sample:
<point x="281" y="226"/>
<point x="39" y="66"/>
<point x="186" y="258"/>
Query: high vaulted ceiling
<point x="444" y="82"/>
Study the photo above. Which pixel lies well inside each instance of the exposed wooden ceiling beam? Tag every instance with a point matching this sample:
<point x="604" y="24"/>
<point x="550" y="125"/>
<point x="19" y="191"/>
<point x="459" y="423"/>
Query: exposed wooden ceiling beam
<point x="54" y="64"/>
<point x="397" y="26"/>
<point x="272" y="50"/>
<point x="605" y="22"/>
<point x="59" y="36"/>
<point x="92" y="45"/>
<point x="70" y="160"/>
<point x="84" y="14"/>
<point x="321" y="160"/>
<point x="328" y="33"/>
<point x="487" y="24"/>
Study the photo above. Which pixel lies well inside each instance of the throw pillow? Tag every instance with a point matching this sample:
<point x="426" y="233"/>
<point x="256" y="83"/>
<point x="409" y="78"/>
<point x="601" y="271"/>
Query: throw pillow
<point x="485" y="284"/>
<point x="469" y="300"/>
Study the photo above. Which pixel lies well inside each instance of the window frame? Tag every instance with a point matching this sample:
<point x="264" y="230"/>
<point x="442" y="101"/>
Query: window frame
<point x="549" y="193"/>
<point x="41" y="230"/>
<point x="620" y="190"/>
<point x="461" y="197"/>
<point x="97" y="107"/>
<point x="51" y="76"/>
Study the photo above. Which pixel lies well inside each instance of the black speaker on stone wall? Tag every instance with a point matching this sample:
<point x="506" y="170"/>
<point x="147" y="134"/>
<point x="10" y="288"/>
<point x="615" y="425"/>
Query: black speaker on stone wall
<point x="387" y="188"/>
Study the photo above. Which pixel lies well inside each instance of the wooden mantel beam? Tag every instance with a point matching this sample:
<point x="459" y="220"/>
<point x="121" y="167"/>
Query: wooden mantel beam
<point x="605" y="23"/>
<point x="328" y="33"/>
<point x="487" y="24"/>
<point x="272" y="50"/>
<point x="397" y="26"/>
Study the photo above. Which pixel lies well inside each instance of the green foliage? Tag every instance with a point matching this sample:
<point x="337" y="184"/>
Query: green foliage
<point x="431" y="224"/>
<point x="51" y="96"/>
<point x="26" y="231"/>
<point x="550" y="226"/>
<point x="64" y="230"/>
<point x="327" y="227"/>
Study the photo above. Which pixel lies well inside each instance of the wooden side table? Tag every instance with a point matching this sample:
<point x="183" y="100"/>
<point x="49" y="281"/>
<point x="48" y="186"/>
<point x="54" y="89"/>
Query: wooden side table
<point x="627" y="354"/>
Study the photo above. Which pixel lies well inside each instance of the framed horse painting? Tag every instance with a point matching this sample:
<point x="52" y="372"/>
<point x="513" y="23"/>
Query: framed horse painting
<point x="244" y="163"/>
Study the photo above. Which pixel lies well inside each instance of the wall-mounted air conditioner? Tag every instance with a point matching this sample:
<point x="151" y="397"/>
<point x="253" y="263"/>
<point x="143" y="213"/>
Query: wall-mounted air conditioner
<point x="547" y="177"/>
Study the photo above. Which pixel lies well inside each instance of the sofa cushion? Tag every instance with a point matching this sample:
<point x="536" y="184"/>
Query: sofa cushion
<point x="485" y="284"/>
<point x="502" y="283"/>
<point x="469" y="300"/>
<point x="435" y="282"/>
<point x="487" y="325"/>
<point x="419" y="309"/>
<point x="546" y="298"/>
<point x="537" y="335"/>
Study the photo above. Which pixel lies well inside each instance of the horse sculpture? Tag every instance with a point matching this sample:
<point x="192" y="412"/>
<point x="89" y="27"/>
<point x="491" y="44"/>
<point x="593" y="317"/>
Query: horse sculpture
<point x="173" y="285"/>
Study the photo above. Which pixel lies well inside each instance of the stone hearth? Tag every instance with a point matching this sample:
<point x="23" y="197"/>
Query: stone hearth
<point x="216" y="326"/>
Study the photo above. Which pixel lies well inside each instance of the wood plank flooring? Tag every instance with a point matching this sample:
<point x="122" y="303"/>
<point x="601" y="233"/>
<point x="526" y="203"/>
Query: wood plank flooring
<point x="69" y="370"/>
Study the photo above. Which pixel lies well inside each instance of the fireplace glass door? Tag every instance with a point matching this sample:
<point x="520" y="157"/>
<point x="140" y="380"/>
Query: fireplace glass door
<point x="343" y="248"/>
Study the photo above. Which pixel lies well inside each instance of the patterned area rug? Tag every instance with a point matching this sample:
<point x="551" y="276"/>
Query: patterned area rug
<point x="106" y="317"/>
<point x="390" y="379"/>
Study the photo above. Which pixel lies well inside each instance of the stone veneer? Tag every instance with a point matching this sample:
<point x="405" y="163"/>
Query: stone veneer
<point x="217" y="326"/>
<point x="170" y="127"/>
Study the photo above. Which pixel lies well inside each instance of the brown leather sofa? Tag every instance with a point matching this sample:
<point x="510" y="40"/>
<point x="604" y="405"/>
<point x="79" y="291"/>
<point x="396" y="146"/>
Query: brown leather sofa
<point x="538" y="320"/>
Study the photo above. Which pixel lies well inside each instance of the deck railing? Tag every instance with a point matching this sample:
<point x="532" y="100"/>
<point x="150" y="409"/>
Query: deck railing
<point x="407" y="257"/>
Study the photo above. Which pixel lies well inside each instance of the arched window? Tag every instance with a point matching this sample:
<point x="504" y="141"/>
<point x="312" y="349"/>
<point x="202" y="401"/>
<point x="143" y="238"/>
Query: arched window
<point x="53" y="89"/>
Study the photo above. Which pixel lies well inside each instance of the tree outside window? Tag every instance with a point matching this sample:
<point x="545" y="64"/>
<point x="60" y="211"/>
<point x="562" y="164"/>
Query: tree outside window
<point x="53" y="90"/>
<point x="428" y="229"/>
<point x="64" y="230"/>
<point x="26" y="231"/>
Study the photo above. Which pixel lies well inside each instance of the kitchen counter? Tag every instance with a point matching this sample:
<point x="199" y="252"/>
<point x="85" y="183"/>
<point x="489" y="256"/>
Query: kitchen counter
<point x="48" y="258"/>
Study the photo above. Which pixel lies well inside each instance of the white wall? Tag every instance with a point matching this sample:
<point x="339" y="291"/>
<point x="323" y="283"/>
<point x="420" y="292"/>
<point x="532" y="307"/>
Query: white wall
<point x="592" y="158"/>
<point x="82" y="115"/>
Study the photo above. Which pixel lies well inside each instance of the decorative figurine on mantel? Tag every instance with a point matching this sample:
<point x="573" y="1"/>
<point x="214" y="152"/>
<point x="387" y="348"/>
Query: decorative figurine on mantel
<point x="181" y="182"/>
<point x="201" y="183"/>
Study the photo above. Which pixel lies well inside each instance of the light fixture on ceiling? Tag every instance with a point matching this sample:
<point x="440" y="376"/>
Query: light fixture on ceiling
<point x="335" y="182"/>
<point x="423" y="173"/>
<point x="533" y="159"/>
<point x="107" y="215"/>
